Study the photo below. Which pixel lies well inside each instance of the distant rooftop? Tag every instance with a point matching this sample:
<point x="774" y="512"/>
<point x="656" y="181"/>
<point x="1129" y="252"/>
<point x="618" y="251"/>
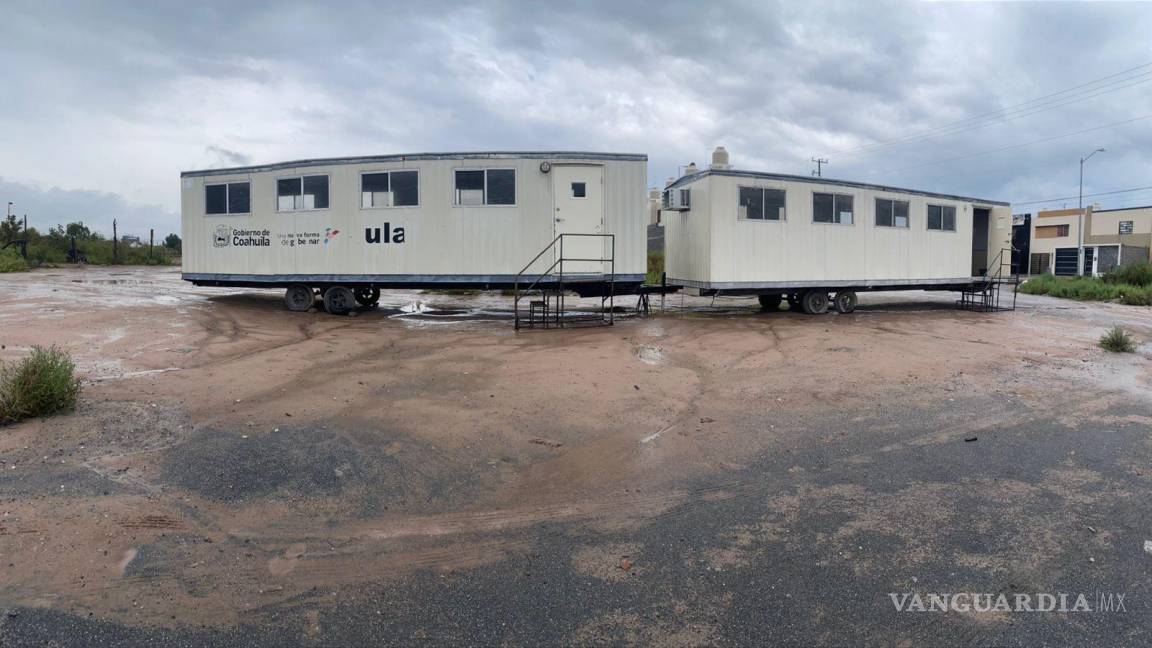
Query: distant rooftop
<point x="687" y="179"/>
<point x="403" y="157"/>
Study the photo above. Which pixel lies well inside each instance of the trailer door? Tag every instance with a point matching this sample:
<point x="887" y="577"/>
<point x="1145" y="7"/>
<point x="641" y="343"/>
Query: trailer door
<point x="578" y="195"/>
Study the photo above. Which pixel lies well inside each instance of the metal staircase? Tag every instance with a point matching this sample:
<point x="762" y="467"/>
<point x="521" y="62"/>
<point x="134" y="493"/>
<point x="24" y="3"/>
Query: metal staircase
<point x="547" y="291"/>
<point x="985" y="296"/>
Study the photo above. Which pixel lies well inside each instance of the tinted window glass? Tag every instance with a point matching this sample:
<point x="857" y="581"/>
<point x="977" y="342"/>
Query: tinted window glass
<point x="900" y="213"/>
<point x="501" y="187"/>
<point x="239" y="200"/>
<point x="934" y="217"/>
<point x="216" y="199"/>
<point x="822" y="211"/>
<point x="405" y="189"/>
<point x="374" y="190"/>
<point x="883" y="212"/>
<point x="751" y="203"/>
<point x="579" y="190"/>
<point x="774" y="204"/>
<point x="469" y="187"/>
<point x="288" y="194"/>
<point x="949" y="219"/>
<point x="315" y="192"/>
<point x="843" y="213"/>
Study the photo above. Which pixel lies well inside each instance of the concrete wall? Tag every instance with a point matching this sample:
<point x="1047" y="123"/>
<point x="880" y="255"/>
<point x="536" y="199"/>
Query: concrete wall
<point x="442" y="241"/>
<point x="711" y="246"/>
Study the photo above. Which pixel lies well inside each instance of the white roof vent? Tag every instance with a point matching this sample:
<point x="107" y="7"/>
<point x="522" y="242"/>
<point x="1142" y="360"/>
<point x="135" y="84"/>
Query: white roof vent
<point x="720" y="158"/>
<point x="691" y="169"/>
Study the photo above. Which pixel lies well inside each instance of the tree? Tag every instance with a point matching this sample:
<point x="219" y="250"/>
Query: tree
<point x="9" y="229"/>
<point x="80" y="231"/>
<point x="172" y="242"/>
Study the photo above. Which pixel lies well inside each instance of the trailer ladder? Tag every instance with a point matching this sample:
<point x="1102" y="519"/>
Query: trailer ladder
<point x="985" y="296"/>
<point x="547" y="291"/>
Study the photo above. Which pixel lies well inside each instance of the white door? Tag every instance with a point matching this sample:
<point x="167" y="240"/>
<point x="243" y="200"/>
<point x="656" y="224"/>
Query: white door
<point x="578" y="194"/>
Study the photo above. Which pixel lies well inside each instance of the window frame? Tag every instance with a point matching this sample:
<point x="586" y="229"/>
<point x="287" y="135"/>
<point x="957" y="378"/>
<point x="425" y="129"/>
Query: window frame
<point x="301" y="176"/>
<point x="228" y="197"/>
<point x="763" y="203"/>
<point x="928" y="218"/>
<point x="835" y="212"/>
<point x="390" y="172"/>
<point x="892" y="214"/>
<point x="515" y="193"/>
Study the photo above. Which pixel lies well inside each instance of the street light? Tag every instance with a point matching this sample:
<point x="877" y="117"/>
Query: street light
<point x="1080" y="216"/>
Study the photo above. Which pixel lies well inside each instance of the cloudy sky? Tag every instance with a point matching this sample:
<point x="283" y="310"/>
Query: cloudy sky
<point x="103" y="104"/>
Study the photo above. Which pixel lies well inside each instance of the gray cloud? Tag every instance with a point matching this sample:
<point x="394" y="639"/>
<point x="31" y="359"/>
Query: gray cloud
<point x="119" y="98"/>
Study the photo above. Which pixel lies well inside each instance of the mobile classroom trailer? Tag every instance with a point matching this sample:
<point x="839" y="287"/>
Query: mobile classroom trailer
<point x="346" y="227"/>
<point x="817" y="241"/>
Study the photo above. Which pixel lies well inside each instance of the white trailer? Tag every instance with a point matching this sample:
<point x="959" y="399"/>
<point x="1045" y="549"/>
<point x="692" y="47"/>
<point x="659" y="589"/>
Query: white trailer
<point x="817" y="241"/>
<point x="346" y="227"/>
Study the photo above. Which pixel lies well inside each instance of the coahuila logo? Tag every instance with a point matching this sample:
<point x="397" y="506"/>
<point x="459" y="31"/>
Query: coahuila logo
<point x="330" y="234"/>
<point x="226" y="236"/>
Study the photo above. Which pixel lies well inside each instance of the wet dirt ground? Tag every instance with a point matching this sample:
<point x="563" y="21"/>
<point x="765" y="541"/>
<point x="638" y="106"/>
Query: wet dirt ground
<point x="236" y="474"/>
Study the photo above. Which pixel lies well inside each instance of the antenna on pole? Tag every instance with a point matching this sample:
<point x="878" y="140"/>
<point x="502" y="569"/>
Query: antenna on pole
<point x="819" y="162"/>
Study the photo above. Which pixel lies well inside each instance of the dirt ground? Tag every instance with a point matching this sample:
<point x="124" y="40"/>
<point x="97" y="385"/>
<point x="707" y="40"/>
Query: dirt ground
<point x="237" y="474"/>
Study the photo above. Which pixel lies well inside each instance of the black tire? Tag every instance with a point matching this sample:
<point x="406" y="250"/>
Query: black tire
<point x="770" y="302"/>
<point x="815" y="302"/>
<point x="339" y="300"/>
<point x="367" y="297"/>
<point x="845" y="301"/>
<point x="299" y="298"/>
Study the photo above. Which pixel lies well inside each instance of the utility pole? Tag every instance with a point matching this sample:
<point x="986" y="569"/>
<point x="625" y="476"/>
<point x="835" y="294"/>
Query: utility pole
<point x="820" y="162"/>
<point x="1080" y="216"/>
<point x="115" y="244"/>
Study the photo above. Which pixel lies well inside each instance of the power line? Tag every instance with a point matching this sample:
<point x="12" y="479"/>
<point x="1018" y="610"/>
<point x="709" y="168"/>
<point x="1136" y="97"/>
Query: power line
<point x="1078" y="93"/>
<point x="1103" y="193"/>
<point x="1010" y="147"/>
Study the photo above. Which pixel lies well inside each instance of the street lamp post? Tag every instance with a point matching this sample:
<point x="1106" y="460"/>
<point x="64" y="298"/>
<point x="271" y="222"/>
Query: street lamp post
<point x="1080" y="216"/>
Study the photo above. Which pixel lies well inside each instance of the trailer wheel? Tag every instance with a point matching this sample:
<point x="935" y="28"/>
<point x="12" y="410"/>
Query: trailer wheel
<point x="338" y="300"/>
<point x="367" y="297"/>
<point x="815" y="302"/>
<point x="299" y="298"/>
<point x="845" y="301"/>
<point x="770" y="302"/>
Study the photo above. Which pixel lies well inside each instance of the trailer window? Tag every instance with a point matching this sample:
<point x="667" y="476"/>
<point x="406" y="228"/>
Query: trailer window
<point x="579" y="190"/>
<point x="832" y="208"/>
<point x="389" y="189"/>
<point x="230" y="198"/>
<point x="942" y="218"/>
<point x="761" y="204"/>
<point x="302" y="193"/>
<point x="486" y="187"/>
<point x="891" y="213"/>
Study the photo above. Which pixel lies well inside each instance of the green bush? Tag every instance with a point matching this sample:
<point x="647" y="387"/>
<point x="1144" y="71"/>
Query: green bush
<point x="11" y="261"/>
<point x="1079" y="288"/>
<point x="655" y="267"/>
<point x="1135" y="274"/>
<point x="1136" y="295"/>
<point x="42" y="383"/>
<point x="1117" y="340"/>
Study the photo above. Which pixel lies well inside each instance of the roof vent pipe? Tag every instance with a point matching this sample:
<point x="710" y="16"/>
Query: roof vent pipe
<point x="720" y="158"/>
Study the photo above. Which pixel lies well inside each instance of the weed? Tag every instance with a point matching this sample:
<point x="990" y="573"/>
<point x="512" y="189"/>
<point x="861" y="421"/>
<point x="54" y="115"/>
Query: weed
<point x="42" y="383"/>
<point x="1117" y="340"/>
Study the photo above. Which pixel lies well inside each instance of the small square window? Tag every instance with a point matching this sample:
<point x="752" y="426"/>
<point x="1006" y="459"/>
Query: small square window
<point x="579" y="190"/>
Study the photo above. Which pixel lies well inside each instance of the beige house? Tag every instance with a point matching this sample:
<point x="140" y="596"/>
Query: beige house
<point x="1112" y="237"/>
